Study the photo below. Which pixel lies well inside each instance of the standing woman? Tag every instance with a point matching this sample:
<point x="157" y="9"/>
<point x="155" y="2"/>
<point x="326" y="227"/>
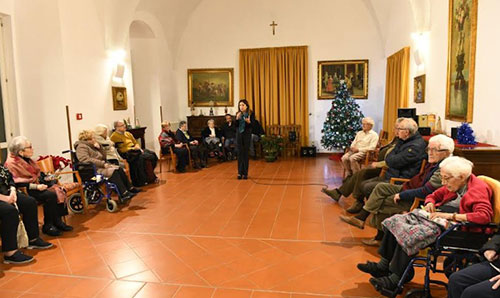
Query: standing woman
<point x="245" y="119"/>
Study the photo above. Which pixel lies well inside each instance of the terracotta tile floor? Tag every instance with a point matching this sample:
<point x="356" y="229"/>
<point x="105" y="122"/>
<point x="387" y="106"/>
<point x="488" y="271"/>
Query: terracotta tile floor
<point x="206" y="234"/>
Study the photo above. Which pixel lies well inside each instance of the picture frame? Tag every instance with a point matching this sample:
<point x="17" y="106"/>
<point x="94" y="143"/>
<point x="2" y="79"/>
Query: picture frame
<point x="119" y="98"/>
<point x="419" y="89"/>
<point x="462" y="28"/>
<point x="353" y="72"/>
<point x="210" y="87"/>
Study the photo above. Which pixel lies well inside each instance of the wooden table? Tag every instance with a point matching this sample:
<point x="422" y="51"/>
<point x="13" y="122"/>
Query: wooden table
<point x="139" y="133"/>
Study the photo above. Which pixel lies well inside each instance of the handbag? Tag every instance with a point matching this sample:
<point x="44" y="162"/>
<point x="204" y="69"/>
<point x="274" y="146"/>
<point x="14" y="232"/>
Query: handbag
<point x="22" y="236"/>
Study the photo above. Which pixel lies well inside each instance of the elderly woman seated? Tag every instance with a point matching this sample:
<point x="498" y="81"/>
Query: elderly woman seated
<point x="479" y="280"/>
<point x="12" y="203"/>
<point x="212" y="137"/>
<point x="463" y="197"/>
<point x="388" y="199"/>
<point x="365" y="140"/>
<point x="89" y="151"/>
<point x="101" y="136"/>
<point x="26" y="174"/>
<point x="168" y="140"/>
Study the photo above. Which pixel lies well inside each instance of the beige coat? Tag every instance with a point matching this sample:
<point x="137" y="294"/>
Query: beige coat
<point x="88" y="153"/>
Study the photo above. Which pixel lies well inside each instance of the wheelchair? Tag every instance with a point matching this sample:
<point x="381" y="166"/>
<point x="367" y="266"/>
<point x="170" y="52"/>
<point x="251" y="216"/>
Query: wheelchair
<point x="95" y="187"/>
<point x="456" y="248"/>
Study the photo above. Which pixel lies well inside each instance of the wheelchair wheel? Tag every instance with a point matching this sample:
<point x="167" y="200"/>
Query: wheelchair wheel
<point x="93" y="194"/>
<point x="76" y="204"/>
<point x="111" y="206"/>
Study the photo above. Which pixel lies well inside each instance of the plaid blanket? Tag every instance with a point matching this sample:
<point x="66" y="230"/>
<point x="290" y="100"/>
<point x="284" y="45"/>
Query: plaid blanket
<point x="413" y="231"/>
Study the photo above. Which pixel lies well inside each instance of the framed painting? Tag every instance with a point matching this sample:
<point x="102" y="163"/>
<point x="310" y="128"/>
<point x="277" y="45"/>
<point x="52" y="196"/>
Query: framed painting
<point x="462" y="26"/>
<point x="353" y="72"/>
<point x="419" y="89"/>
<point x="119" y="98"/>
<point x="210" y="87"/>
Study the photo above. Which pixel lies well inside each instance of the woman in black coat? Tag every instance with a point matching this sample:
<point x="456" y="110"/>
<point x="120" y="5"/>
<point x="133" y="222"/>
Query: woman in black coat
<point x="245" y="119"/>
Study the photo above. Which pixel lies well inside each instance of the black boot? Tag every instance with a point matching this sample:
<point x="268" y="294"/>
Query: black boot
<point x="51" y="230"/>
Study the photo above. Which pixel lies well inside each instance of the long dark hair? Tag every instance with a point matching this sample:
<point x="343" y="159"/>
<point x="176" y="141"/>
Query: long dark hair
<point x="246" y="103"/>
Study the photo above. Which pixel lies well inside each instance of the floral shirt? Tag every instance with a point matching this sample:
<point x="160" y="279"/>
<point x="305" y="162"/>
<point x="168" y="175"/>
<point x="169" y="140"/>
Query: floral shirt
<point x="6" y="181"/>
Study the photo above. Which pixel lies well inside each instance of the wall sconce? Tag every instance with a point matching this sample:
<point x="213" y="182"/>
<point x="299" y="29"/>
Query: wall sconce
<point x="119" y="71"/>
<point x="117" y="58"/>
<point x="421" y="53"/>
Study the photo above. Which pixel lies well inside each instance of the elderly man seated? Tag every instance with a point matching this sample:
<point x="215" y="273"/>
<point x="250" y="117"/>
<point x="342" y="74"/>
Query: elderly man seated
<point x="364" y="141"/>
<point x="142" y="162"/>
<point x="404" y="161"/>
<point x="463" y="197"/>
<point x="198" y="151"/>
<point x="388" y="199"/>
<point x="352" y="184"/>
<point x="168" y="140"/>
<point x="229" y="137"/>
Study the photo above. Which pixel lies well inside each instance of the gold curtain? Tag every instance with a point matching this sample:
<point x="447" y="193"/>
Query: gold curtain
<point x="397" y="87"/>
<point x="274" y="81"/>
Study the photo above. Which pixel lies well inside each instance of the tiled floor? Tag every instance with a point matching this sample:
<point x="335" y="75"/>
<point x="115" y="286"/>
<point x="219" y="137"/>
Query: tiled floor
<point x="206" y="234"/>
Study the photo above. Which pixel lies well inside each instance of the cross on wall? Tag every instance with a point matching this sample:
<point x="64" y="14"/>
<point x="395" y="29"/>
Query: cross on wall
<point x="273" y="24"/>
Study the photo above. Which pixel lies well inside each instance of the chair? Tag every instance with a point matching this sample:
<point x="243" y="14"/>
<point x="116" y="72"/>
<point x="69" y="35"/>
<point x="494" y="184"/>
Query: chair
<point x="47" y="166"/>
<point x="456" y="246"/>
<point x="170" y="158"/>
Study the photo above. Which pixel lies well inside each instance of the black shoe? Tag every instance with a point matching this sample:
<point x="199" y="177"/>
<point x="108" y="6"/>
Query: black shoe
<point x="383" y="284"/>
<point x="63" y="227"/>
<point x="334" y="193"/>
<point x="181" y="170"/>
<point x="51" y="230"/>
<point x="239" y="177"/>
<point x="373" y="269"/>
<point x="204" y="165"/>
<point x="245" y="177"/>
<point x="135" y="189"/>
<point x="17" y="258"/>
<point x="38" y="243"/>
<point x="126" y="196"/>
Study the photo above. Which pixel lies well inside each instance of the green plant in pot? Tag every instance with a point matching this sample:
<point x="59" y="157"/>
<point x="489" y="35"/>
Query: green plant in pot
<point x="271" y="146"/>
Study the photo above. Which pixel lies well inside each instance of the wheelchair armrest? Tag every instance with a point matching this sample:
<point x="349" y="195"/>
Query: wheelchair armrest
<point x="395" y="180"/>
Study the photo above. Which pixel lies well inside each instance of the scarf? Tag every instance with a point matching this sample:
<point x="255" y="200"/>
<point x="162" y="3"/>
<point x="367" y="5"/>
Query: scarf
<point x="241" y="124"/>
<point x="22" y="171"/>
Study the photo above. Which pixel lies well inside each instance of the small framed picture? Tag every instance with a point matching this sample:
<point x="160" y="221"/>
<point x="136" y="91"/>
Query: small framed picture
<point x="419" y="89"/>
<point x="119" y="98"/>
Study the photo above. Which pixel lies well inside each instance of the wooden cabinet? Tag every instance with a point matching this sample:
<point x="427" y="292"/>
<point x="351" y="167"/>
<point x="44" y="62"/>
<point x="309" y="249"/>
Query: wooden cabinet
<point x="138" y="134"/>
<point x="197" y="123"/>
<point x="486" y="160"/>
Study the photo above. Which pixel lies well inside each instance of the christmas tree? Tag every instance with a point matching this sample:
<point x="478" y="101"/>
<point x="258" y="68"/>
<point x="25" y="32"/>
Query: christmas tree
<point x="342" y="122"/>
<point x="465" y="135"/>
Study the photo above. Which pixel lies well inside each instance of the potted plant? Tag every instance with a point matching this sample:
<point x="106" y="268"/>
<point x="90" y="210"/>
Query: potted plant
<point x="271" y="146"/>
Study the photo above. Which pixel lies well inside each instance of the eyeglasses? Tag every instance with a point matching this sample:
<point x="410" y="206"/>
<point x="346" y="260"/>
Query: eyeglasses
<point x="446" y="178"/>
<point x="434" y="150"/>
<point x="29" y="147"/>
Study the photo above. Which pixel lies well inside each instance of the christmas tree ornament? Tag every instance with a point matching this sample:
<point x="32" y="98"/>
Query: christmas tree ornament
<point x="465" y="135"/>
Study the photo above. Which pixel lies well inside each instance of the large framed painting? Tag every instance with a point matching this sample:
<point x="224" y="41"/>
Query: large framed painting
<point x="210" y="87"/>
<point x="353" y="72"/>
<point x="462" y="26"/>
<point x="419" y="89"/>
<point x="119" y="98"/>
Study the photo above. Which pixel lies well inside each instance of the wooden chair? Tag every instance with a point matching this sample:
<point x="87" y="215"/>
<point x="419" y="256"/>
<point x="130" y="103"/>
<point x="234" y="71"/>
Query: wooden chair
<point x="170" y="158"/>
<point x="47" y="166"/>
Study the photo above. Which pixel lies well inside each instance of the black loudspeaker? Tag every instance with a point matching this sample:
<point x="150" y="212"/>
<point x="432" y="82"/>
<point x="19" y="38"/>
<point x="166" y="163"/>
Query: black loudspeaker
<point x="308" y="151"/>
<point x="454" y="131"/>
<point x="424" y="131"/>
<point x="292" y="136"/>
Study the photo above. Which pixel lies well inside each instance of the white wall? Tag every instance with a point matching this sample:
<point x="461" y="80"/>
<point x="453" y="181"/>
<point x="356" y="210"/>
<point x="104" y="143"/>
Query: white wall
<point x="488" y="46"/>
<point x="333" y="30"/>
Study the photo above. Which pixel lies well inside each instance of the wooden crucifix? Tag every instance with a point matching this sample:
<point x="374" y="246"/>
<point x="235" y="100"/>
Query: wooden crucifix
<point x="274" y="26"/>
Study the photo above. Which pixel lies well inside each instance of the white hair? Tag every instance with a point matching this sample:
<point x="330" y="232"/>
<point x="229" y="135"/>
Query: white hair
<point x="457" y="166"/>
<point x="368" y="120"/>
<point x="101" y="129"/>
<point x="211" y="120"/>
<point x="17" y="144"/>
<point x="445" y="142"/>
<point x="410" y="124"/>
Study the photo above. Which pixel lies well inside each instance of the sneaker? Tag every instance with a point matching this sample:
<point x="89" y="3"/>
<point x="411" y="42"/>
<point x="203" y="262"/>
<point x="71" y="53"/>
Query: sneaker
<point x="38" y="243"/>
<point x="334" y="193"/>
<point x="17" y="258"/>
<point x="355" y="208"/>
<point x="372" y="269"/>
<point x="353" y="221"/>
